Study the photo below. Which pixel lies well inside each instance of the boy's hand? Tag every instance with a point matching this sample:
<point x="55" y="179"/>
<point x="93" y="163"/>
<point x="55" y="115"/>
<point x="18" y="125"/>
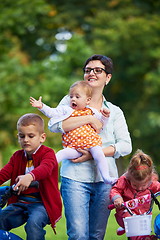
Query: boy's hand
<point x="118" y="202"/>
<point x="105" y="112"/>
<point x="23" y="182"/>
<point x="36" y="103"/>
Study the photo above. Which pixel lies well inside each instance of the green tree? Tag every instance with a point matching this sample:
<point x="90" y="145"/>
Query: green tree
<point x="44" y="43"/>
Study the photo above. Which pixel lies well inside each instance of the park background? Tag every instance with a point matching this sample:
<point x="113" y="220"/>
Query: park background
<point x="44" y="44"/>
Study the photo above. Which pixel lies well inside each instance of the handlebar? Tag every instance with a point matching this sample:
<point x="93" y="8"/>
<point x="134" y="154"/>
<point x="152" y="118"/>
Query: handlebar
<point x="133" y="203"/>
<point x="33" y="184"/>
<point x="7" y="191"/>
<point x="112" y="206"/>
<point x="136" y="202"/>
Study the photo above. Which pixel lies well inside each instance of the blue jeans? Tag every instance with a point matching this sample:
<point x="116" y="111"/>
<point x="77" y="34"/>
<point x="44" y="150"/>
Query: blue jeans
<point x="86" y="209"/>
<point x="35" y="216"/>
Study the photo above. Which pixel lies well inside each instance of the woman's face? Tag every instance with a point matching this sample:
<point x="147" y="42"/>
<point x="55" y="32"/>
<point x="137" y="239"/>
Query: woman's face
<point x="97" y="80"/>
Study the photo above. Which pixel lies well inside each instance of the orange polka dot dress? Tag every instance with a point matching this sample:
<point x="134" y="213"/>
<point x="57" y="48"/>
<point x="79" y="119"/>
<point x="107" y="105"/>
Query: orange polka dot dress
<point x="81" y="137"/>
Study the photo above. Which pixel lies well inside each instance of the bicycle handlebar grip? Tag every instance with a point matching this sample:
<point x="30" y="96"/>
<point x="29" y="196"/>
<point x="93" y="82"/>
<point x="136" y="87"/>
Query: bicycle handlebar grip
<point x="111" y="206"/>
<point x="34" y="184"/>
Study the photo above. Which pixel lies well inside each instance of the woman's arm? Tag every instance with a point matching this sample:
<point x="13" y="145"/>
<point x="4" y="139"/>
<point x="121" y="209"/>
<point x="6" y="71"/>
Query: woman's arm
<point x="108" y="152"/>
<point x="123" y="144"/>
<point x="71" y="123"/>
<point x="74" y="122"/>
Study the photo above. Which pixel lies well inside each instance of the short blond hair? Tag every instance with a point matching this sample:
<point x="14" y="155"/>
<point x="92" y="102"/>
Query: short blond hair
<point x="31" y="119"/>
<point x="84" y="85"/>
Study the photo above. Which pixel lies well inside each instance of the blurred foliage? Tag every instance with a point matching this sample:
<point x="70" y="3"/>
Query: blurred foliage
<point x="44" y="43"/>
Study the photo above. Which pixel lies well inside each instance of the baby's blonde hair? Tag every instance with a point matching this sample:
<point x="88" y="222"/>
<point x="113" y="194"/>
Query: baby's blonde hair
<point x="84" y="85"/>
<point x="141" y="166"/>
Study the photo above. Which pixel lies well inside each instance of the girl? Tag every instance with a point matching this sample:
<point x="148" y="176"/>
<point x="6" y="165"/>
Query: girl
<point x="139" y="179"/>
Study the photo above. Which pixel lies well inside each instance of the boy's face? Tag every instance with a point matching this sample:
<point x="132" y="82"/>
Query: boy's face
<point x="78" y="98"/>
<point x="30" y="138"/>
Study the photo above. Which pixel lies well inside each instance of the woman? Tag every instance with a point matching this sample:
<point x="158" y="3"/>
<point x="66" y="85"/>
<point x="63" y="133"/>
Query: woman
<point x="85" y="195"/>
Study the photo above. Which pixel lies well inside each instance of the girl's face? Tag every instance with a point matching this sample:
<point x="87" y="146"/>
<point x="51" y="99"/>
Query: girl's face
<point x="96" y="80"/>
<point x="140" y="185"/>
<point x="78" y="98"/>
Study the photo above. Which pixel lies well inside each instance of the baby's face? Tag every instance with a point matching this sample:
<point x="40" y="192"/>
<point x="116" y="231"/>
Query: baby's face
<point x="78" y="98"/>
<point x="30" y="138"/>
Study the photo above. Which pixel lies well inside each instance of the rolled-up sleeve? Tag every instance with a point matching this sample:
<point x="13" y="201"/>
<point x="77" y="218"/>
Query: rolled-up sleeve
<point x="123" y="145"/>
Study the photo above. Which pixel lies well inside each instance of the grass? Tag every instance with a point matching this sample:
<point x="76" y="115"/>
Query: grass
<point x="61" y="229"/>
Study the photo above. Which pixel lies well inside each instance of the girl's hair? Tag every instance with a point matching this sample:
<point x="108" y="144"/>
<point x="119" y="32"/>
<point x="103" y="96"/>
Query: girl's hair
<point x="141" y="166"/>
<point x="106" y="61"/>
<point x="31" y="119"/>
<point x="85" y="87"/>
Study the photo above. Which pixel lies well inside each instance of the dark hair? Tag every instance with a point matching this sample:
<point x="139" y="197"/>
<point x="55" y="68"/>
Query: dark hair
<point x="106" y="61"/>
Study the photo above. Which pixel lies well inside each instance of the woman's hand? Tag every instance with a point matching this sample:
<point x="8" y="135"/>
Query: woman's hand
<point x="85" y="156"/>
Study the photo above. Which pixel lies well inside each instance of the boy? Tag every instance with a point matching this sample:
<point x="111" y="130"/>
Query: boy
<point x="36" y="207"/>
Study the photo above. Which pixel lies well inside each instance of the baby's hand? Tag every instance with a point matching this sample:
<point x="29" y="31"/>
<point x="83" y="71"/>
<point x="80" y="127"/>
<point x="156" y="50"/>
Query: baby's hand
<point x="105" y="112"/>
<point x="118" y="202"/>
<point x="36" y="103"/>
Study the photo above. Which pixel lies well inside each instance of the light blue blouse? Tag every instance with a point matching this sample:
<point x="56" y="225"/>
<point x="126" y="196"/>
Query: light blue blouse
<point x="115" y="133"/>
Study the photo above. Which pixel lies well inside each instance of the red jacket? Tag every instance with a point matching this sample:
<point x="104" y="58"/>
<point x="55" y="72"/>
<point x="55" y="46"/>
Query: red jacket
<point x="45" y="172"/>
<point x="124" y="189"/>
